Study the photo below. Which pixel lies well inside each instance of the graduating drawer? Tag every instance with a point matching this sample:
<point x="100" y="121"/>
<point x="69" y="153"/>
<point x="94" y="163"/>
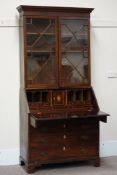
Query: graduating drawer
<point x="55" y="152"/>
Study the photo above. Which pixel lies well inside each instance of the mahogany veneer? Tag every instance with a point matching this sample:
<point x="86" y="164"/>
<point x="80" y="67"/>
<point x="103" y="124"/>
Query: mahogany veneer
<point x="59" y="113"/>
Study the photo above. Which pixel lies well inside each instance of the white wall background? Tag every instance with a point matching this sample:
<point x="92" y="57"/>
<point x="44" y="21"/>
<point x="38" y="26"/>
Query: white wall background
<point x="103" y="60"/>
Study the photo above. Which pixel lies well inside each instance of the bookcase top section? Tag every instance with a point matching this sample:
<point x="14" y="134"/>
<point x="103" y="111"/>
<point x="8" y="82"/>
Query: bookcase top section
<point x="26" y="8"/>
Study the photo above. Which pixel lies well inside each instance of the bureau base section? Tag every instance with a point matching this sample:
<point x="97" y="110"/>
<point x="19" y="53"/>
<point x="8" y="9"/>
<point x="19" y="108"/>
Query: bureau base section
<point x="62" y="141"/>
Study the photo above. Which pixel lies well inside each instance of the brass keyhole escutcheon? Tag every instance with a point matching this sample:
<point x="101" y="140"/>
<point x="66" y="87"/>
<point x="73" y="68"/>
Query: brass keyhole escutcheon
<point x="64" y="148"/>
<point x="64" y="136"/>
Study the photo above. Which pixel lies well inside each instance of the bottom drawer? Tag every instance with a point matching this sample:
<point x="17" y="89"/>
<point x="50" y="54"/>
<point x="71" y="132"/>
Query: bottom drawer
<point x="64" y="152"/>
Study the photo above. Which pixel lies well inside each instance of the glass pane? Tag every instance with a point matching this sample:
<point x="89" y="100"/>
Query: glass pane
<point x="74" y="48"/>
<point x="41" y="51"/>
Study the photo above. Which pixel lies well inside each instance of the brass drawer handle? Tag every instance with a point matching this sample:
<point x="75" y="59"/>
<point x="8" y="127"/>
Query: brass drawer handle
<point x="44" y="153"/>
<point x="44" y="129"/>
<point x="39" y="113"/>
<point x="84" y="137"/>
<point x="43" y="141"/>
<point x="83" y="151"/>
<point x="74" y="116"/>
<point x="82" y="144"/>
<point x="64" y="125"/>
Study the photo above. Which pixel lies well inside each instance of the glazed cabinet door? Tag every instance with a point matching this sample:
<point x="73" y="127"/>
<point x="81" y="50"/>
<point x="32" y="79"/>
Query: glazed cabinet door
<point x="41" y="52"/>
<point x="74" y="52"/>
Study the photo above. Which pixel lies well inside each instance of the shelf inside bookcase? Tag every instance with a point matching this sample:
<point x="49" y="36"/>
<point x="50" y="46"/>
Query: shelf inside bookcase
<point x="38" y="33"/>
<point x="39" y="51"/>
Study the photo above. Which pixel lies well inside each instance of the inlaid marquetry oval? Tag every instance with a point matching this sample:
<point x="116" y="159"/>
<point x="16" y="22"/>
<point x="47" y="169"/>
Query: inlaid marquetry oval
<point x="58" y="98"/>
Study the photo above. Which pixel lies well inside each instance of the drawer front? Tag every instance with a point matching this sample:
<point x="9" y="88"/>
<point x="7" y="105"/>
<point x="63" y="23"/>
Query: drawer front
<point x="56" y="151"/>
<point x="63" y="126"/>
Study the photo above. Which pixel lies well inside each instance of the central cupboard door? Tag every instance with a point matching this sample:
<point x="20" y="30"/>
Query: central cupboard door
<point x="74" y="52"/>
<point x="41" y="52"/>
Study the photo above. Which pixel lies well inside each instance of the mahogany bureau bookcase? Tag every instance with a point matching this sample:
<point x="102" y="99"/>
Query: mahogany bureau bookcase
<point x="59" y="113"/>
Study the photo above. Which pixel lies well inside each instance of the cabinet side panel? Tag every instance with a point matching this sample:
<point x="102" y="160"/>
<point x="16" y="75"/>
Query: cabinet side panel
<point x="24" y="111"/>
<point x="22" y="68"/>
